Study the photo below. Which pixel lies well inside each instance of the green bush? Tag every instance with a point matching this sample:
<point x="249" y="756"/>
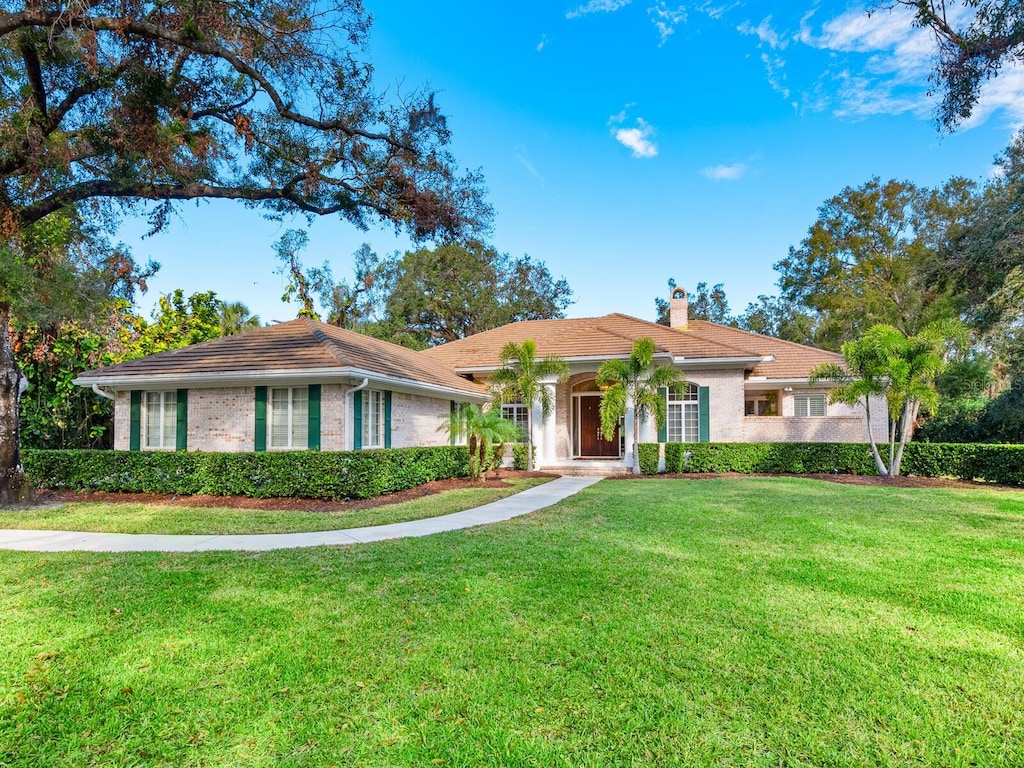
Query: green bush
<point x="649" y="458"/>
<point x="1002" y="464"/>
<point x="301" y="474"/>
<point x="519" y="454"/>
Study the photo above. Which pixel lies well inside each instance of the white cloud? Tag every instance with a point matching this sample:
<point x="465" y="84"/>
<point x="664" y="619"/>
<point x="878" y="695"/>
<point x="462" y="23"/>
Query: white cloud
<point x="666" y="19"/>
<point x="543" y="43"/>
<point x="639" y="138"/>
<point x="767" y="34"/>
<point x="725" y="172"/>
<point x="524" y="160"/>
<point x="597" y="6"/>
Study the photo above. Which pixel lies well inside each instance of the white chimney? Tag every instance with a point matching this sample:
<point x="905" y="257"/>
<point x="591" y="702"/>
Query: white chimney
<point x="678" y="308"/>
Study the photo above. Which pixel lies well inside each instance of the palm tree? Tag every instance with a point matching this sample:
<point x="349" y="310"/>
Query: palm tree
<point x="235" y="318"/>
<point x="885" y="362"/>
<point x="484" y="428"/>
<point x="634" y="381"/>
<point x="520" y="381"/>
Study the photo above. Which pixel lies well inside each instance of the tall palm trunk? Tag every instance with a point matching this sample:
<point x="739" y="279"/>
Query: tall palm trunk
<point x="14" y="486"/>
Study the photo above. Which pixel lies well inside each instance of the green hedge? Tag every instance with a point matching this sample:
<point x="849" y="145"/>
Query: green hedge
<point x="301" y="474"/>
<point x="649" y="458"/>
<point x="1002" y="464"/>
<point x="520" y="451"/>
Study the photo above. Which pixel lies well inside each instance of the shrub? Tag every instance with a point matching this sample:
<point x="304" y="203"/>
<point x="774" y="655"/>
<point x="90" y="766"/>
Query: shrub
<point x="978" y="461"/>
<point x="519" y="454"/>
<point x="301" y="474"/>
<point x="649" y="455"/>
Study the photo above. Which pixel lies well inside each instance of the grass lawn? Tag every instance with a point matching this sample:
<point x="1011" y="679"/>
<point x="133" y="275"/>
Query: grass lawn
<point x="747" y="622"/>
<point x="165" y="518"/>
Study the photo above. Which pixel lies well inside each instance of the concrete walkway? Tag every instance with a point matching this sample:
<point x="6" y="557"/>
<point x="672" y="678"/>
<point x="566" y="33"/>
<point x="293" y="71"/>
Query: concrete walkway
<point x="523" y="503"/>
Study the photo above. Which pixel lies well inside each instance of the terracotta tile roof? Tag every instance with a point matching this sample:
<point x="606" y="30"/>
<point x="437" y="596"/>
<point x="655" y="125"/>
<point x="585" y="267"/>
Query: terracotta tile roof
<point x="605" y="336"/>
<point x="792" y="360"/>
<point x="301" y="344"/>
<point x="614" y="334"/>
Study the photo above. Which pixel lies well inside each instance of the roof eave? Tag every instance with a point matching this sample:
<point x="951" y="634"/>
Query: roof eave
<point x="294" y="376"/>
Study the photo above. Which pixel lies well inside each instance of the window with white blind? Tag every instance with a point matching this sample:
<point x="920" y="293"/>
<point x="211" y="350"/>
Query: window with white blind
<point x="374" y="402"/>
<point x="520" y="414"/>
<point x="161" y="419"/>
<point x="683" y="414"/>
<point x="288" y="424"/>
<point x="809" y="405"/>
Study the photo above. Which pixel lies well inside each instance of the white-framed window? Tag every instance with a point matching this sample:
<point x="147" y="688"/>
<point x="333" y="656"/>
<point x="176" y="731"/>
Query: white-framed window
<point x="161" y="419"/>
<point x="520" y="414"/>
<point x="812" y="404"/>
<point x="373" y="418"/>
<point x="289" y="418"/>
<point x="683" y="413"/>
<point x="761" y="403"/>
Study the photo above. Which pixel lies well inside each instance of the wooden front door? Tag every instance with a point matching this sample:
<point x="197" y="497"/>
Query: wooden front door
<point x="592" y="442"/>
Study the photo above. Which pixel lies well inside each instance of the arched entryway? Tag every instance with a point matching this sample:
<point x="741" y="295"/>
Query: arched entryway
<point x="587" y="440"/>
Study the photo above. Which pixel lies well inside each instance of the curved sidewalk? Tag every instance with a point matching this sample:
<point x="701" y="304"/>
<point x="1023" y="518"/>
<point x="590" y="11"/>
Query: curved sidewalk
<point x="522" y="503"/>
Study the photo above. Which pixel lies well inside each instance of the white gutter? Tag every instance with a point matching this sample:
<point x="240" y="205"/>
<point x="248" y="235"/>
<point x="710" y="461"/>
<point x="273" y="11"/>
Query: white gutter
<point x="357" y="387"/>
<point x="101" y="393"/>
<point x="248" y="378"/>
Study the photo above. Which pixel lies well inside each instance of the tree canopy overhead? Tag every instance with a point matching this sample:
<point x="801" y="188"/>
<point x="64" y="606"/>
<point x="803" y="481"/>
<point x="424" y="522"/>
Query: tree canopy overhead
<point x="976" y="38"/>
<point x="266" y="101"/>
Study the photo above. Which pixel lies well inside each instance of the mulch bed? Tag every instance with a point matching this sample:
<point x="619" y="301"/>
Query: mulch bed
<point x="44" y="496"/>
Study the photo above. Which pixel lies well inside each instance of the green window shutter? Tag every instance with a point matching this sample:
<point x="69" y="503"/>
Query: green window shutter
<point x="387" y="418"/>
<point x="357" y="421"/>
<point x="181" y="429"/>
<point x="135" y="421"/>
<point x="260" y="442"/>
<point x="704" y="414"/>
<point x="663" y="429"/>
<point x="314" y="417"/>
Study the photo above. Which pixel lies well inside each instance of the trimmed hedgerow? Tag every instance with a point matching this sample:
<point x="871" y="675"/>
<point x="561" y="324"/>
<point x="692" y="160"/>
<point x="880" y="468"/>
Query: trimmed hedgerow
<point x="301" y="474"/>
<point x="649" y="458"/>
<point x="1002" y="464"/>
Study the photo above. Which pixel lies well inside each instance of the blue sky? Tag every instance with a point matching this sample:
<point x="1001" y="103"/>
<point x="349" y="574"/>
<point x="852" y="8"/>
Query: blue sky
<point x="625" y="142"/>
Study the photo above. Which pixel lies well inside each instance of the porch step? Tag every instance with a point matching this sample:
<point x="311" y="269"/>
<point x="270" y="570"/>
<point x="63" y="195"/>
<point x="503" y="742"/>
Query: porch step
<point x="588" y="469"/>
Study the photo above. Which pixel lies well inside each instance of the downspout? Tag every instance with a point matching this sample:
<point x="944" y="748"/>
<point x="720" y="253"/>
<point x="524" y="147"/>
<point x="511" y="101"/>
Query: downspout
<point x="102" y="393"/>
<point x="362" y="385"/>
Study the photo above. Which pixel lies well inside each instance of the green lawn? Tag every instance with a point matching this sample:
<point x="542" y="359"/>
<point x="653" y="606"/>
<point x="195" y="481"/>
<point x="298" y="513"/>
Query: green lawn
<point x="746" y="622"/>
<point x="165" y="518"/>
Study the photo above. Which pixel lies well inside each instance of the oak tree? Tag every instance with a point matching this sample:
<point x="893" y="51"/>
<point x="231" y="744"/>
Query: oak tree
<point x="110" y="108"/>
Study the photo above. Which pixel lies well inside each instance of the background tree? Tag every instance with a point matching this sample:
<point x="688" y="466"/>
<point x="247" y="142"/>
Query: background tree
<point x="456" y="290"/>
<point x="775" y="316"/>
<point x="886" y="362"/>
<point x="976" y="39"/>
<point x="519" y="381"/>
<point x="864" y="260"/>
<point x="235" y="318"/>
<point x="704" y="304"/>
<point x="107" y="107"/>
<point x="635" y="381"/>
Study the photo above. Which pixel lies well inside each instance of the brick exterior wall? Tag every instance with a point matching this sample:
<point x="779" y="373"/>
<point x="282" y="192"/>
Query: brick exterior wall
<point x="122" y="420"/>
<point x="222" y="419"/>
<point x="333" y="418"/>
<point x="842" y="424"/>
<point x="415" y="420"/>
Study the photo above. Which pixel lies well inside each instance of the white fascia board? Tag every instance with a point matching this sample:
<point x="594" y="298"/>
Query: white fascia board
<point x="282" y="378"/>
<point x="719" y="362"/>
<point x="763" y="382"/>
